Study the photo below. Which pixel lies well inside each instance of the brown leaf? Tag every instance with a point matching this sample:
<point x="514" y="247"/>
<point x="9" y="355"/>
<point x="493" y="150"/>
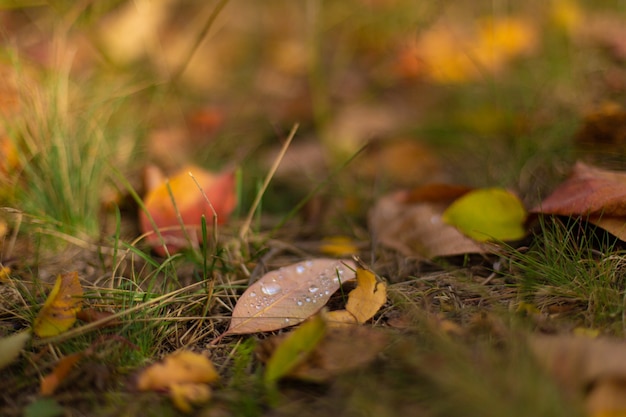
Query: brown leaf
<point x="50" y="382"/>
<point x="597" y="195"/>
<point x="585" y="365"/>
<point x="417" y="229"/>
<point x="90" y="315"/>
<point x="289" y="295"/>
<point x="589" y="191"/>
<point x="335" y="354"/>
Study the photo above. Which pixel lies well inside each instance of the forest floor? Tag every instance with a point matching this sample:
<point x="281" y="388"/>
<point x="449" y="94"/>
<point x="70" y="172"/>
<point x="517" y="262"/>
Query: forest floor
<point x="322" y="138"/>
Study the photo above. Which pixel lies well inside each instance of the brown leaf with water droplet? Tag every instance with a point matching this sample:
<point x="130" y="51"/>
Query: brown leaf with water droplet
<point x="411" y="223"/>
<point x="289" y="295"/>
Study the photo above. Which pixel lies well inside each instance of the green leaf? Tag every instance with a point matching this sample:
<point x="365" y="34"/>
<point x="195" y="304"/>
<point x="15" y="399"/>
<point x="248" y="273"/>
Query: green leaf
<point x="11" y="346"/>
<point x="294" y="349"/>
<point x="44" y="407"/>
<point x="488" y="214"/>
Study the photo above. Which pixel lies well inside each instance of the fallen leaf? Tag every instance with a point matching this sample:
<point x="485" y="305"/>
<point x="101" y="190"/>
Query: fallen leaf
<point x="189" y="205"/>
<point x="11" y="346"/>
<point x="289" y="295"/>
<point x="488" y="214"/>
<point x="458" y="52"/>
<point x="184" y="396"/>
<point x="59" y="311"/>
<point x="411" y="223"/>
<point x="596" y="195"/>
<point x="50" y="382"/>
<point x="90" y="315"/>
<point x="368" y="297"/>
<point x="338" y="246"/>
<point x="334" y="354"/>
<point x="592" y="366"/>
<point x="179" y="367"/>
<point x="294" y="349"/>
<point x="340" y="318"/>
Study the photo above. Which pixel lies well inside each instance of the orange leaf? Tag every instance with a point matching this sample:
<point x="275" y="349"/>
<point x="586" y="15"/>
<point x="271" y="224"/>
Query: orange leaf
<point x="289" y="295"/>
<point x="179" y="367"/>
<point x="185" y="395"/>
<point x="190" y="204"/>
<point x="59" y="311"/>
<point x="50" y="382"/>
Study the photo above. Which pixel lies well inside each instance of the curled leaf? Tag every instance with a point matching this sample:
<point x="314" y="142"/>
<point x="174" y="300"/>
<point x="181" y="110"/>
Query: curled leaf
<point x="368" y="297"/>
<point x="59" y="311"/>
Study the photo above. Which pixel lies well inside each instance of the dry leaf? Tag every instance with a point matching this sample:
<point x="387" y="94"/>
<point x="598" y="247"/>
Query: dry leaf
<point x="368" y="297"/>
<point x="340" y="318"/>
<point x="597" y="195"/>
<point x="179" y="367"/>
<point x="90" y="315"/>
<point x="339" y="246"/>
<point x="184" y="374"/>
<point x="59" y="311"/>
<point x="50" y="382"/>
<point x="294" y="349"/>
<point x="190" y="204"/>
<point x="583" y="365"/>
<point x="334" y="354"/>
<point x="184" y="396"/>
<point x="289" y="295"/>
<point x="416" y="228"/>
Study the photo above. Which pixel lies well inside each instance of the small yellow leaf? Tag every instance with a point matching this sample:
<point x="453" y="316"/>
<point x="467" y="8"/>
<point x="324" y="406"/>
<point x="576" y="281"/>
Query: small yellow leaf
<point x="185" y="395"/>
<point x="294" y="349"/>
<point x="59" y="311"/>
<point x="179" y="367"/>
<point x="488" y="214"/>
<point x="11" y="346"/>
<point x="340" y="318"/>
<point x="338" y="246"/>
<point x="368" y="296"/>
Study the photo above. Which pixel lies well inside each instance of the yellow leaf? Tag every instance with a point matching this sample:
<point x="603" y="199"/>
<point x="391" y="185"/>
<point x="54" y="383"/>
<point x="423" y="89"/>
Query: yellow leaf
<point x="177" y="368"/>
<point x="340" y="318"/>
<point x="185" y="395"/>
<point x="488" y="214"/>
<point x="338" y="246"/>
<point x="59" y="311"/>
<point x="368" y="296"/>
